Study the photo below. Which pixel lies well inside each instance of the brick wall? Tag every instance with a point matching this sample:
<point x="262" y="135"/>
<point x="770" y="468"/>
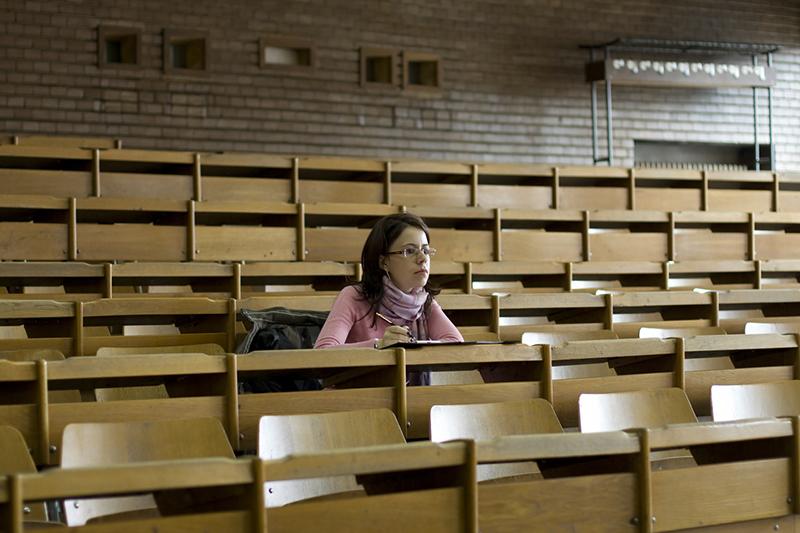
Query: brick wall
<point x="513" y="77"/>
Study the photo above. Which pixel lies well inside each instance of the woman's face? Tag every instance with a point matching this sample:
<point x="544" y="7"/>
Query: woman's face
<point x="412" y="271"/>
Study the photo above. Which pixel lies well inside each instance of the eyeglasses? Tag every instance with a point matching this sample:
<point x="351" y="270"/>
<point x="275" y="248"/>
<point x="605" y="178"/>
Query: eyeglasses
<point x="413" y="251"/>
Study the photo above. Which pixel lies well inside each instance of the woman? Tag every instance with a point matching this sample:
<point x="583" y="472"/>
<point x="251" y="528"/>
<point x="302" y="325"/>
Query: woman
<point x="394" y="302"/>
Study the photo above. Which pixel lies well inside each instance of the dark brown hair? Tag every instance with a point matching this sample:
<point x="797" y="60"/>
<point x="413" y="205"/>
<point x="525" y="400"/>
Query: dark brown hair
<point x="383" y="234"/>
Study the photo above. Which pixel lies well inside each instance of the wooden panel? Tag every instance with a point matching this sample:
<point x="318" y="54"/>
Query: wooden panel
<point x="777" y="245"/>
<point x="241" y="159"/>
<point x="515" y="196"/>
<point x="47" y="152"/>
<point x="56" y="270"/>
<point x="629" y="330"/>
<point x="704" y="267"/>
<point x="729" y="493"/>
<point x="248" y="243"/>
<point x="438" y="195"/>
<point x="119" y="307"/>
<point x="623" y="246"/>
<point x="130" y="204"/>
<point x="335" y="244"/>
<point x="166" y="187"/>
<point x="552" y="301"/>
<point x="755" y="400"/>
<point x="292" y="269"/>
<point x="92" y="344"/>
<point x="314" y="191"/>
<point x="777" y="218"/>
<point x="648" y="408"/>
<point x="421" y="399"/>
<point x="61" y="184"/>
<point x="154" y="156"/>
<point x="142" y="242"/>
<point x="463" y="245"/>
<point x="701" y="245"/>
<point x="229" y="521"/>
<point x="604" y="503"/>
<point x="733" y="200"/>
<point x="789" y="201"/>
<point x="430" y="168"/>
<point x="698" y="384"/>
<point x="786" y="524"/>
<point x="759" y="176"/>
<point x="283" y="436"/>
<point x="668" y="199"/>
<point x="567" y="391"/>
<point x="310" y="163"/>
<point x="435" y="511"/>
<point x="531" y="245"/>
<point x="312" y="302"/>
<point x="350" y="209"/>
<point x="593" y="198"/>
<point x="253" y="406"/>
<point x="247" y="189"/>
<point x="235" y="209"/>
<point x="133" y="411"/>
<point x="27" y="241"/>
<point x="674" y="174"/>
<point x="589" y="171"/>
<point x="63" y="345"/>
<point x="154" y="271"/>
<point x="719" y="217"/>
<point x="514" y="169"/>
<point x="24" y="419"/>
<point x="49" y="141"/>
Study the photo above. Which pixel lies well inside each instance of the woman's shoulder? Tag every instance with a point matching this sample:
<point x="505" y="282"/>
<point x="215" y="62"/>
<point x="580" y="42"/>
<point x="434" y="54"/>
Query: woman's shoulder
<point x="351" y="291"/>
<point x="350" y="295"/>
<point x="350" y="302"/>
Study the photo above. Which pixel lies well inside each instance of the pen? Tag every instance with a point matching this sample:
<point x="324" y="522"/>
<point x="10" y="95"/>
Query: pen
<point x="410" y="336"/>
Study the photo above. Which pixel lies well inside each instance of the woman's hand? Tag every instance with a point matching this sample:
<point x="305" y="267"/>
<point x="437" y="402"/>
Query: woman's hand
<point x="394" y="335"/>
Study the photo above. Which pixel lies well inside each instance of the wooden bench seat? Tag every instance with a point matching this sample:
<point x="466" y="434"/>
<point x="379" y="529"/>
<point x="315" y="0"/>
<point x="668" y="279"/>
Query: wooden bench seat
<point x="206" y="385"/>
<point x="595" y="481"/>
<point x="125" y="228"/>
<point x="112" y="171"/>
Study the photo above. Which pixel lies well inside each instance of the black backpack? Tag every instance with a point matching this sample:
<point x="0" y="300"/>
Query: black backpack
<point x="278" y="328"/>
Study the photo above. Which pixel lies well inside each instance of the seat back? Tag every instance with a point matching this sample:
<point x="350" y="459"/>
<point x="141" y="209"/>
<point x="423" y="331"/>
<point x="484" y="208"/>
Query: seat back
<point x="146" y="392"/>
<point x="13" y="332"/>
<point x="280" y="436"/>
<point x="151" y="329"/>
<point x="30" y="354"/>
<point x="644" y="408"/>
<point x="486" y="421"/>
<point x="722" y="362"/>
<point x="757" y="328"/>
<point x="455" y="377"/>
<point x="208" y="349"/>
<point x="758" y="400"/>
<point x="666" y="333"/>
<point x="556" y="338"/>
<point x="583" y="370"/>
<point x="101" y="444"/>
<point x="575" y="371"/>
<point x="16" y="459"/>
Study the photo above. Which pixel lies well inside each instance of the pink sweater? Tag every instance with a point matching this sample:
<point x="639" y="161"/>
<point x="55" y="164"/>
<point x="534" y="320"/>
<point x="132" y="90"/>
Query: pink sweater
<point x="349" y="325"/>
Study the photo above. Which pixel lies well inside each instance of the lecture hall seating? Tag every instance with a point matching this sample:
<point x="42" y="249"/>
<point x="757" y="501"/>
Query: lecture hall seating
<point x="280" y="436"/>
<point x="521" y="249"/>
<point x="109" y="171"/>
<point x="487" y="421"/>
<point x="117" y="443"/>
<point x="592" y="481"/>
